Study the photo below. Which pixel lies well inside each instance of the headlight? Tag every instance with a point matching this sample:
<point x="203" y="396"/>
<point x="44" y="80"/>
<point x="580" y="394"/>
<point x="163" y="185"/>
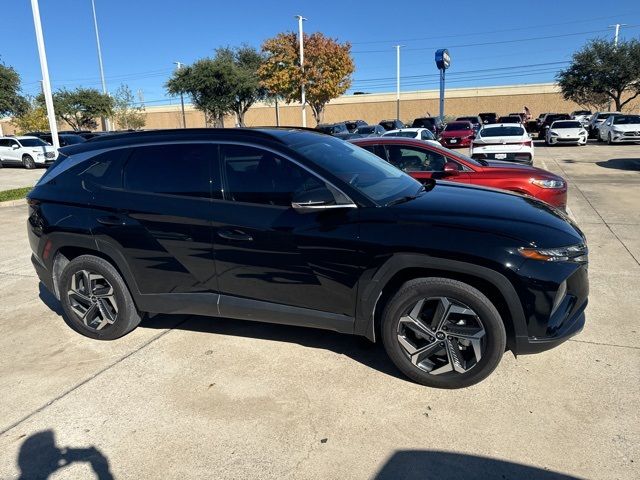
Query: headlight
<point x="582" y="132"/>
<point x="574" y="253"/>
<point x="547" y="183"/>
<point x="615" y="130"/>
<point x="554" y="134"/>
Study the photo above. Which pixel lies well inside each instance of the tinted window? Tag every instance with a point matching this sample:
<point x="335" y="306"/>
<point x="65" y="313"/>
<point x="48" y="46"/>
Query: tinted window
<point x="367" y="129"/>
<point x="180" y="169"/>
<point x="626" y="119"/>
<point x="106" y="169"/>
<point x="70" y="139"/>
<point x="501" y="132"/>
<point x="455" y="126"/>
<point x="566" y="125"/>
<point x="32" y="142"/>
<point x="259" y="176"/>
<point x="409" y="159"/>
<point x="4" y="142"/>
<point x="427" y="135"/>
<point x="403" y="134"/>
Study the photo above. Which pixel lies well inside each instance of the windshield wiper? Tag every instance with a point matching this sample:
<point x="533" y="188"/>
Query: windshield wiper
<point x="425" y="187"/>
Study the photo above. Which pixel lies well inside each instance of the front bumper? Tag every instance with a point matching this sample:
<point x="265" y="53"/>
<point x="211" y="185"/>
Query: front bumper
<point x="625" y="137"/>
<point x="567" y="141"/>
<point x="573" y="326"/>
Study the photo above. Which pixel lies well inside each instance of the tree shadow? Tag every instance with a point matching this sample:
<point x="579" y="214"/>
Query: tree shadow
<point x="433" y="464"/>
<point x="39" y="458"/>
<point x="630" y="164"/>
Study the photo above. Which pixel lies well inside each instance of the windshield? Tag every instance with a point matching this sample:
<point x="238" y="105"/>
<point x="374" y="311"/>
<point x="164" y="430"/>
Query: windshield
<point x="367" y="129"/>
<point x="604" y="116"/>
<point x="32" y="142"/>
<point x="509" y="120"/>
<point x="456" y="126"/>
<point x="71" y="139"/>
<point x="502" y="132"/>
<point x="566" y="125"/>
<point x="468" y="119"/>
<point x="626" y="120"/>
<point x="375" y="178"/>
<point x="403" y="133"/>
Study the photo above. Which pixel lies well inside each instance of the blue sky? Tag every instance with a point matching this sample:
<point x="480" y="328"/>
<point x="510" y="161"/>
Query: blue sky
<point x="490" y="42"/>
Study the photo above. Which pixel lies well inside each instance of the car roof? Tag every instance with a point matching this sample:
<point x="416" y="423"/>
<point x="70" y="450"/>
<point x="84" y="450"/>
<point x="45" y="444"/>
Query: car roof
<point x="24" y="137"/>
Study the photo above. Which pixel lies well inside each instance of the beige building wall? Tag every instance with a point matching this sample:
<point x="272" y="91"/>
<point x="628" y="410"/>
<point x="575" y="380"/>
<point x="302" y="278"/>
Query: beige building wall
<point x="375" y="107"/>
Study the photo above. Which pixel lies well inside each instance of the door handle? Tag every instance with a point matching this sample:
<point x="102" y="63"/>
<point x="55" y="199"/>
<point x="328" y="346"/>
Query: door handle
<point x="112" y="220"/>
<point x="235" y="235"/>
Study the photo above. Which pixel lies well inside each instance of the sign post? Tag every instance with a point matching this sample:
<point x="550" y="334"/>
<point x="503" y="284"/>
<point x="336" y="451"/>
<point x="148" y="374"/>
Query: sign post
<point x="443" y="61"/>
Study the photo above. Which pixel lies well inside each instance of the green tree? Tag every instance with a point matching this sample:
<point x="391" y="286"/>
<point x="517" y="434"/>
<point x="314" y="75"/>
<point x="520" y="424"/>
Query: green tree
<point x="328" y="67"/>
<point x="601" y="72"/>
<point x="11" y="101"/>
<point x="32" y="118"/>
<point x="126" y="113"/>
<point x="227" y="83"/>
<point x="80" y="107"/>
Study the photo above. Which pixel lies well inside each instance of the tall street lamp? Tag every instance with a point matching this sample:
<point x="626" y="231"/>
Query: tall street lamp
<point x="184" y="119"/>
<point x="105" y="121"/>
<point x="46" y="83"/>
<point x="303" y="97"/>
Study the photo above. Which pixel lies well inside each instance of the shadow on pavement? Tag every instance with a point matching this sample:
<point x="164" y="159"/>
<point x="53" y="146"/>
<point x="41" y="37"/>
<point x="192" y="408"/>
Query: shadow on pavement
<point x="357" y="348"/>
<point x="49" y="299"/>
<point x="432" y="465"/>
<point x="39" y="458"/>
<point x="632" y="164"/>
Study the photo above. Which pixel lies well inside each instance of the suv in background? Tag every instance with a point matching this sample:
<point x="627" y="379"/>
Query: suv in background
<point x="476" y="121"/>
<point x="510" y="119"/>
<point x="434" y="124"/>
<point x="352" y="125"/>
<point x="488" y="118"/>
<point x="333" y="128"/>
<point x="391" y="124"/>
<point x="296" y="227"/>
<point x="64" y="139"/>
<point x="28" y="151"/>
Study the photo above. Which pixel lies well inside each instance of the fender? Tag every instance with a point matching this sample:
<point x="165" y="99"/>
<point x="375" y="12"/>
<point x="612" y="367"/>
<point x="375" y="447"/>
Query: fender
<point x="373" y="282"/>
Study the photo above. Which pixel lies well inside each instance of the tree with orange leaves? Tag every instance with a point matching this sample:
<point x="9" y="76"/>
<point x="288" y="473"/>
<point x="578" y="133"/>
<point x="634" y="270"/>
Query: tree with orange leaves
<point x="328" y="67"/>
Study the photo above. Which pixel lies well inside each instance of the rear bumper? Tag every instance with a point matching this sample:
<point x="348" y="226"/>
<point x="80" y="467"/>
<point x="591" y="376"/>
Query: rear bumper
<point x="43" y="274"/>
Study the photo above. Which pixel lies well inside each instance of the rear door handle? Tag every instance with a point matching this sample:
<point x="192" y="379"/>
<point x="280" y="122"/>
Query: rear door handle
<point x="235" y="235"/>
<point x="112" y="220"/>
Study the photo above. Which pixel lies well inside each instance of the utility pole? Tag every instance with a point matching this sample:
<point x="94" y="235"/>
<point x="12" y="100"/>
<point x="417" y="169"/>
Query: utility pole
<point x="46" y="83"/>
<point x="105" y="121"/>
<point x="184" y="118"/>
<point x="617" y="27"/>
<point x="303" y="97"/>
<point x="398" y="82"/>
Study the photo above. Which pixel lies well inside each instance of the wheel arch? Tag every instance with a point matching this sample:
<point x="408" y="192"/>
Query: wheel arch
<point x="404" y="267"/>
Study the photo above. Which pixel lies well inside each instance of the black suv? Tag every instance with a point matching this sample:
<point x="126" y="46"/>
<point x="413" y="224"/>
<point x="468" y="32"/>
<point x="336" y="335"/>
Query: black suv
<point x="296" y="227"/>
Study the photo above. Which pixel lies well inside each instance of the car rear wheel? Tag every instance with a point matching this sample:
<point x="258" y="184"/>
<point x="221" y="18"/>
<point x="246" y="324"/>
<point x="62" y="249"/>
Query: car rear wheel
<point x="28" y="162"/>
<point x="443" y="333"/>
<point x="96" y="300"/>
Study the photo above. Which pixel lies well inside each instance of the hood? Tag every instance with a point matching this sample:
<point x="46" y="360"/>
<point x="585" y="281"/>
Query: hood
<point x="567" y="132"/>
<point x="517" y="168"/>
<point x="525" y="220"/>
<point x="627" y="127"/>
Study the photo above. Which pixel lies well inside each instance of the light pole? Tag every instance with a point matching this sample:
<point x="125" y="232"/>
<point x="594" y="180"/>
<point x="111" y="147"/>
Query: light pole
<point x="303" y="97"/>
<point x="105" y="121"/>
<point x="46" y="83"/>
<point x="398" y="82"/>
<point x="184" y="118"/>
<point x="617" y="27"/>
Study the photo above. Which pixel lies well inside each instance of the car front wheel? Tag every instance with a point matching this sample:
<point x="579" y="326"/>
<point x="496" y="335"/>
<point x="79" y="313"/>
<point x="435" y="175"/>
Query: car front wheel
<point x="443" y="333"/>
<point x="96" y="300"/>
<point x="28" y="162"/>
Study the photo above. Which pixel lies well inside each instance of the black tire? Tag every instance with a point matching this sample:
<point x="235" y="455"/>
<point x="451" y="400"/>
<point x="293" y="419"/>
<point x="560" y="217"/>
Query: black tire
<point x="424" y="288"/>
<point x="597" y="134"/>
<point x="609" y="142"/>
<point x="28" y="162"/>
<point x="127" y="317"/>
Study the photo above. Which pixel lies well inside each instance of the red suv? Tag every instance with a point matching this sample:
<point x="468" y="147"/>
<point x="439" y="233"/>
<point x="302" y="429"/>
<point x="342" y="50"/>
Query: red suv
<point x="457" y="134"/>
<point x="423" y="160"/>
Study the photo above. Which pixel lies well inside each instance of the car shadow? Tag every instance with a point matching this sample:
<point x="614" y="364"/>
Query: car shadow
<point x="39" y="457"/>
<point x="357" y="348"/>
<point x="433" y="464"/>
<point x="630" y="164"/>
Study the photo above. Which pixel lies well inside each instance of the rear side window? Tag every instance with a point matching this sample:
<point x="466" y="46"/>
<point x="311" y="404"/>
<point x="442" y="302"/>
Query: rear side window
<point x="176" y="169"/>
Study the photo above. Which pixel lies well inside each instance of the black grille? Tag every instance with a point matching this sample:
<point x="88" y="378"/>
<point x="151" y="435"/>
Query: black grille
<point x="50" y="154"/>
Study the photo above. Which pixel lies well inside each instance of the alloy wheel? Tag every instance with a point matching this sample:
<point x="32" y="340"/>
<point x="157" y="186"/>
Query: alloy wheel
<point x="92" y="299"/>
<point x="442" y="335"/>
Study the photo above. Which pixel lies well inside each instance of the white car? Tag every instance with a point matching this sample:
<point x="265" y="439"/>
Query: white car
<point x="620" y="128"/>
<point x="598" y="119"/>
<point x="503" y="141"/>
<point x="566" y="132"/>
<point x="419" y="133"/>
<point x="30" y="152"/>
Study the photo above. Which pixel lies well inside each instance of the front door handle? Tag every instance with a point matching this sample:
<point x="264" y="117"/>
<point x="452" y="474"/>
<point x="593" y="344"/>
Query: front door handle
<point x="235" y="234"/>
<point x="112" y="221"/>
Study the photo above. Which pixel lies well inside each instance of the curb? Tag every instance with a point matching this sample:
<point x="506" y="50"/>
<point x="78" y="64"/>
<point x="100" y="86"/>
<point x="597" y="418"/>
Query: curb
<point x="13" y="203"/>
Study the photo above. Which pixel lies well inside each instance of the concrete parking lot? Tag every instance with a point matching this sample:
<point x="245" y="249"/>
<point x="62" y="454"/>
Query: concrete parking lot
<point x="184" y="397"/>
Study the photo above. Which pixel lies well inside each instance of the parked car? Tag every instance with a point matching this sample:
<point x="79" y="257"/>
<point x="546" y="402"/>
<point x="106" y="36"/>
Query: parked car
<point x="432" y="123"/>
<point x="583" y="116"/>
<point x="521" y="115"/>
<point x="64" y="139"/>
<point x="548" y="119"/>
<point x="503" y="141"/>
<point x="28" y="151"/>
<point x="598" y="119"/>
<point x="488" y="118"/>
<point x="426" y="160"/>
<point x="307" y="230"/>
<point x="420" y="133"/>
<point x="352" y="125"/>
<point x="509" y="119"/>
<point x="332" y="128"/>
<point x="370" y="130"/>
<point x="476" y="121"/>
<point x="457" y="134"/>
<point x="566" y="132"/>
<point x="391" y="124"/>
<point x="620" y="128"/>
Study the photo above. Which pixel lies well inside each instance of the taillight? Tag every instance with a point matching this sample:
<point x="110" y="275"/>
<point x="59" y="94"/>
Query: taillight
<point x="527" y="143"/>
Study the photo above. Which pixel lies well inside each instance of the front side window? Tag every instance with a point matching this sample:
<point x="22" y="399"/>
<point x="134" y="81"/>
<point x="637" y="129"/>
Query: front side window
<point x="259" y="176"/>
<point x="409" y="159"/>
<point x="175" y="169"/>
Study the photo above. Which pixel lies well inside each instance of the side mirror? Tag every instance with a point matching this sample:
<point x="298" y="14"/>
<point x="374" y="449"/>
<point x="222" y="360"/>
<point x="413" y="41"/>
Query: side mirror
<point x="15" y="147"/>
<point x="317" y="199"/>
<point x="451" y="168"/>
